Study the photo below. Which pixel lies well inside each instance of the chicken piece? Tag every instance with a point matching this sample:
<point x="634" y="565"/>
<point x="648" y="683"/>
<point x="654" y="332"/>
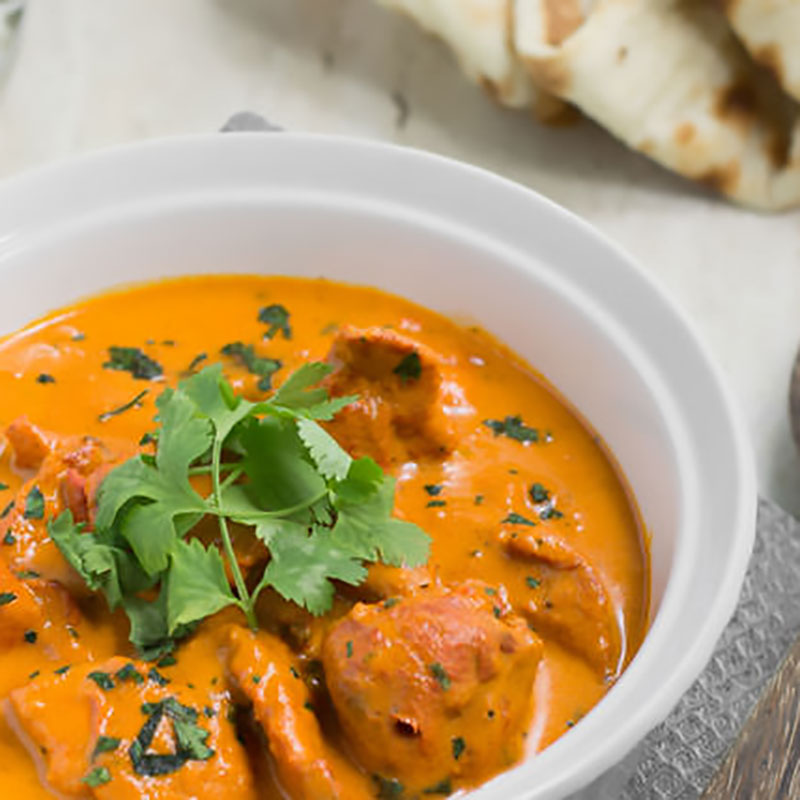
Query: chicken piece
<point x="116" y="725"/>
<point x="435" y="689"/>
<point x="19" y="610"/>
<point x="67" y="478"/>
<point x="400" y="414"/>
<point x="263" y="670"/>
<point x="40" y="613"/>
<point x="30" y="445"/>
<point x="567" y="600"/>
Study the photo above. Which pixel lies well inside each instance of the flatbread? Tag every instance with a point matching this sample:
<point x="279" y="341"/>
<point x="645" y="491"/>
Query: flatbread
<point x="669" y="78"/>
<point x="770" y="30"/>
<point x="479" y="33"/>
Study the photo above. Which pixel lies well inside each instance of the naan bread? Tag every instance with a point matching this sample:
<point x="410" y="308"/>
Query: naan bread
<point x="770" y="29"/>
<point x="669" y="78"/>
<point x="479" y="33"/>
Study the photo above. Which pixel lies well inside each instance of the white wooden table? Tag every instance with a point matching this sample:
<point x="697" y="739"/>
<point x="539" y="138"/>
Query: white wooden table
<point x="94" y="73"/>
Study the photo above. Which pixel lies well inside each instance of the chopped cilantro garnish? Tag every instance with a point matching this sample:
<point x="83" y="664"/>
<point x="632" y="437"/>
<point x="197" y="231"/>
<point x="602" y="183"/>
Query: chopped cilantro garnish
<point x="30" y="637"/>
<point x="388" y="788"/>
<point x="27" y="574"/>
<point x="322" y="515"/>
<point x="277" y="318"/>
<point x="459" y="745"/>
<point x="479" y="498"/>
<point x="433" y="489"/>
<point x="6" y="598"/>
<point x="102" y="679"/>
<point x="97" y="777"/>
<point x="34" y="674"/>
<point x="9" y="538"/>
<point x="129" y="673"/>
<point x="62" y="670"/>
<point x="196" y="362"/>
<point x="533" y="583"/>
<point x="551" y="512"/>
<point x="513" y="427"/>
<point x="34" y="504"/>
<point x="133" y="360"/>
<point x="497" y="611"/>
<point x="147" y="438"/>
<point x="3" y="486"/>
<point x="490" y="591"/>
<point x="78" y="336"/>
<point x="517" y="519"/>
<point x="7" y="510"/>
<point x="444" y="787"/>
<point x="438" y="672"/>
<point x="245" y="355"/>
<point x="409" y="368"/>
<point x="105" y="744"/>
<point x="538" y="493"/>
<point x="45" y="377"/>
<point x="167" y="661"/>
<point x="256" y="679"/>
<point x="435" y="503"/>
<point x="155" y="676"/>
<point x="391" y="602"/>
<point x="349" y="649"/>
<point x="135" y="401"/>
<point x="190" y="739"/>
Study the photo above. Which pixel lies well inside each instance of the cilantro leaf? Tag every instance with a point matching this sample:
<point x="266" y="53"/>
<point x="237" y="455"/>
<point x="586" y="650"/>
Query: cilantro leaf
<point x="331" y="460"/>
<point x="368" y="531"/>
<point x="197" y="585"/>
<point x="302" y="566"/>
<point x="321" y="514"/>
<point x="295" y="394"/>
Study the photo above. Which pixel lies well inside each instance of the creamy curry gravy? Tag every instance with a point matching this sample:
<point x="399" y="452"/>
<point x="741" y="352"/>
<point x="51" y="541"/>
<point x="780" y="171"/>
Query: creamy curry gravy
<point x="569" y="595"/>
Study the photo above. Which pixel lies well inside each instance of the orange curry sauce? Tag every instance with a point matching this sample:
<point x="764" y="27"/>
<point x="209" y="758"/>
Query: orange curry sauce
<point x="566" y="597"/>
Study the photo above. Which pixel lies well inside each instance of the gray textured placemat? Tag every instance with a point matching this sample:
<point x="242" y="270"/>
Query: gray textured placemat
<point x="677" y="760"/>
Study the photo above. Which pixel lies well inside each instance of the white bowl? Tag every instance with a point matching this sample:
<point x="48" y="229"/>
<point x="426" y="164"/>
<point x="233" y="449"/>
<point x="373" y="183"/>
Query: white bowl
<point x="471" y="245"/>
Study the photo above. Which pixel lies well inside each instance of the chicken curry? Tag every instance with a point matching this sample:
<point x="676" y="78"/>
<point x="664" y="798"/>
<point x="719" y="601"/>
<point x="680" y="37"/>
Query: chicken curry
<point x="271" y="537"/>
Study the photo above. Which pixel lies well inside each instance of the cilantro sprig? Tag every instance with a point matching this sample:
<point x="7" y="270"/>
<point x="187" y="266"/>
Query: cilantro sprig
<point x="321" y="514"/>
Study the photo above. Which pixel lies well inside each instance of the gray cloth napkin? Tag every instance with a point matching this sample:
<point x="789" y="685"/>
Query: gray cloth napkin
<point x="677" y="759"/>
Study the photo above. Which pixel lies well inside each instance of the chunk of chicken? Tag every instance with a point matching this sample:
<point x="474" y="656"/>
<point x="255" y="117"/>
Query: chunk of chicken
<point x="68" y="477"/>
<point x="399" y="415"/>
<point x="568" y="601"/>
<point x="264" y="671"/>
<point x="129" y="735"/>
<point x="34" y="611"/>
<point x="436" y="688"/>
<point x="29" y="444"/>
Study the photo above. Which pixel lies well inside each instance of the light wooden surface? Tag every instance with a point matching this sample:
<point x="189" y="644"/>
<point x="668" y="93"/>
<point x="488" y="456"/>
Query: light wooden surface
<point x="764" y="764"/>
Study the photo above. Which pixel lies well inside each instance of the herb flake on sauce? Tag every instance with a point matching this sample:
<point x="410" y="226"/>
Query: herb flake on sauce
<point x="517" y="519"/>
<point x="107" y="415"/>
<point x="34" y="504"/>
<point x="276" y="317"/>
<point x="409" y="368"/>
<point x="135" y="361"/>
<point x="514" y="428"/>
<point x="245" y="354"/>
<point x="439" y="672"/>
<point x="97" y="777"/>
